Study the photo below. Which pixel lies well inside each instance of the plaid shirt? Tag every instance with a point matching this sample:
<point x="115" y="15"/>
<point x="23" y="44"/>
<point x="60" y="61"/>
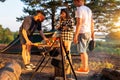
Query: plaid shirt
<point x="67" y="34"/>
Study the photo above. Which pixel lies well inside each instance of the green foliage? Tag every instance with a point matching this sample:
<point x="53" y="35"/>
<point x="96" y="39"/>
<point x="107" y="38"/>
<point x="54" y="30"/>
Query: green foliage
<point x="2" y="0"/>
<point x="6" y="36"/>
<point x="15" y="34"/>
<point x="112" y="47"/>
<point x="105" y="12"/>
<point x="50" y="7"/>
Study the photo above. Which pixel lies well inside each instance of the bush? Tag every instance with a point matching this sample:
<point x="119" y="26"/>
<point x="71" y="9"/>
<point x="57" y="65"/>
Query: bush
<point x="109" y="47"/>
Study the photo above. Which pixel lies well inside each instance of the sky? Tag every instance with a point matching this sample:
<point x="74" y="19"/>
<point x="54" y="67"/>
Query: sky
<point x="9" y="10"/>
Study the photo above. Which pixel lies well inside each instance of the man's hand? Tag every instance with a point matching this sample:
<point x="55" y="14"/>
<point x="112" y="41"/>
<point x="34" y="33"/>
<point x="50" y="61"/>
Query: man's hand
<point x="75" y="40"/>
<point x="28" y="42"/>
<point x="46" y="40"/>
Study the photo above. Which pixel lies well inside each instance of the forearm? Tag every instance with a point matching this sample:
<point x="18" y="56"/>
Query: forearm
<point x="77" y="30"/>
<point x="92" y="29"/>
<point x="78" y="26"/>
<point x="25" y="34"/>
<point x="42" y="34"/>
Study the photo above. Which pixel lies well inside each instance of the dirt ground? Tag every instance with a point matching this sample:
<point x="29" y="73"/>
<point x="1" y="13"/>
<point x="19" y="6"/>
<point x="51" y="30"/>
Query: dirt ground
<point x="48" y="71"/>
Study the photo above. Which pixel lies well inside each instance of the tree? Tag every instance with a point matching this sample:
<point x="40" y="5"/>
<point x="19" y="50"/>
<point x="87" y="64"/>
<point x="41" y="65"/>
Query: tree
<point x="6" y="36"/>
<point x="2" y="0"/>
<point x="15" y="34"/>
<point x="50" y="7"/>
<point x="105" y="12"/>
<point x="1" y="32"/>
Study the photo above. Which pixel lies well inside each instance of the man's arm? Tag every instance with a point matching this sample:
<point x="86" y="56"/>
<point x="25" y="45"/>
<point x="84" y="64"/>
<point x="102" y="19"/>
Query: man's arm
<point x="92" y="29"/>
<point x="26" y="37"/>
<point x="78" y="26"/>
<point x="26" y="25"/>
<point x="42" y="34"/>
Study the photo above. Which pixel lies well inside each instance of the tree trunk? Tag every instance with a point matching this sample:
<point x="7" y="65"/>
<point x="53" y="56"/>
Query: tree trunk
<point x="11" y="71"/>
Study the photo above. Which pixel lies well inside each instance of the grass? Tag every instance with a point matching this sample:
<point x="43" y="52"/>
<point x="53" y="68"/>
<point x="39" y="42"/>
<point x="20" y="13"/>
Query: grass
<point x="100" y="65"/>
<point x="112" y="47"/>
<point x="96" y="66"/>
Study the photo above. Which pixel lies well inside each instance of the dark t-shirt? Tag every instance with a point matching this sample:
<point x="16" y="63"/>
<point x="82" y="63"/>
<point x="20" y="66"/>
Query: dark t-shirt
<point x="30" y="25"/>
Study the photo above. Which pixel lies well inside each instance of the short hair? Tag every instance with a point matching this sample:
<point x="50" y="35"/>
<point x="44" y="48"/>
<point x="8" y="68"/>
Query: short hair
<point x="40" y="11"/>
